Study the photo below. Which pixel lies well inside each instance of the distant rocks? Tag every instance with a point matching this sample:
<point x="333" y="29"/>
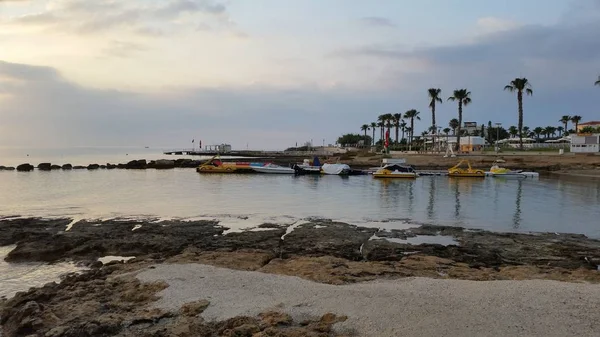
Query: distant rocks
<point x="78" y="167"/>
<point x="44" y="166"/>
<point x="136" y="164"/>
<point x="67" y="167"/>
<point x="111" y="166"/>
<point x="55" y="167"/>
<point x="93" y="167"/>
<point x="164" y="164"/>
<point x="7" y="168"/>
<point x="25" y="167"/>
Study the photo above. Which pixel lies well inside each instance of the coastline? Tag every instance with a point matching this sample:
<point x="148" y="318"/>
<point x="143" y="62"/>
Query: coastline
<point x="112" y="297"/>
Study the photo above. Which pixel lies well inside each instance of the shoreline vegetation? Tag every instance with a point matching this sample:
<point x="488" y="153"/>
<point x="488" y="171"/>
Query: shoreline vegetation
<point x="587" y="164"/>
<point x="112" y="300"/>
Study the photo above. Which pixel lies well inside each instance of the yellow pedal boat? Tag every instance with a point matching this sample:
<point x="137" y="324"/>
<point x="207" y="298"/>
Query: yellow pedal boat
<point x="469" y="172"/>
<point x="215" y="165"/>
<point x="392" y="171"/>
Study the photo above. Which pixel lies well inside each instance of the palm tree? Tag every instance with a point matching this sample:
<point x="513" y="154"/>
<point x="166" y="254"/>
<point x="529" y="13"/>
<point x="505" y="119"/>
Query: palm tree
<point x="538" y="131"/>
<point x="412" y="114"/>
<point x="453" y="124"/>
<point x="560" y="130"/>
<point x="373" y="127"/>
<point x="513" y="131"/>
<point x="381" y="124"/>
<point x="365" y="128"/>
<point x="403" y="127"/>
<point x="520" y="85"/>
<point x="576" y="119"/>
<point x="565" y="120"/>
<point x="550" y="131"/>
<point x="464" y="99"/>
<point x="598" y="81"/>
<point x="397" y="121"/>
<point x="447" y="131"/>
<point x="434" y="96"/>
<point x="526" y="131"/>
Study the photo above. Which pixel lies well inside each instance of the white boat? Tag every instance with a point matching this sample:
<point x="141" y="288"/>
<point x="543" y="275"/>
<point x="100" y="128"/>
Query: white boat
<point x="336" y="169"/>
<point x="395" y="171"/>
<point x="273" y="169"/>
<point x="497" y="171"/>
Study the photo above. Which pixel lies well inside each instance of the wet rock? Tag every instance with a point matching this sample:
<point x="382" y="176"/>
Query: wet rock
<point x="9" y="168"/>
<point x="25" y="167"/>
<point x="137" y="164"/>
<point x="67" y="167"/>
<point x="25" y="320"/>
<point x="2" y="168"/>
<point x="111" y="166"/>
<point x="55" y="167"/>
<point x="121" y="166"/>
<point x="164" y="164"/>
<point x="79" y="167"/>
<point x="93" y="167"/>
<point x="44" y="166"/>
<point x="103" y="167"/>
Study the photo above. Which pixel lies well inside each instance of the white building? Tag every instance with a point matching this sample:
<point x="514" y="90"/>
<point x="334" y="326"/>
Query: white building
<point x="585" y="143"/>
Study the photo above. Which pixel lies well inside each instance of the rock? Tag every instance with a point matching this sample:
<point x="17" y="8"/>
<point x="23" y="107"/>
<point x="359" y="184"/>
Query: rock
<point x="111" y="166"/>
<point x="9" y="168"/>
<point x="121" y="166"/>
<point x="194" y="308"/>
<point x="164" y="164"/>
<point x="136" y="164"/>
<point x="151" y="164"/>
<point x="103" y="166"/>
<point x="25" y="167"/>
<point x="55" y="167"/>
<point x="2" y="167"/>
<point x="44" y="166"/>
<point x="93" y="167"/>
<point x="67" y="167"/>
<point x="24" y="320"/>
<point x="78" y="167"/>
<point x="273" y="318"/>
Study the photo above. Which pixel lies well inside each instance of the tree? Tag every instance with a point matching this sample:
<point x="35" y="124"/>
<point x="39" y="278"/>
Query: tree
<point x="513" y="131"/>
<point x="576" y="119"/>
<point x="412" y="114"/>
<point x="526" y="131"/>
<point x="565" y="120"/>
<point x="463" y="96"/>
<point x="434" y="97"/>
<point x="373" y="127"/>
<point x="389" y="122"/>
<point x="447" y="131"/>
<point x="397" y="121"/>
<point x="550" y="131"/>
<point x="560" y="130"/>
<point x="598" y="81"/>
<point x="353" y="139"/>
<point x="538" y="131"/>
<point x="453" y="124"/>
<point x="365" y="128"/>
<point x="381" y="124"/>
<point x="520" y="85"/>
<point x="588" y="129"/>
<point x="403" y="127"/>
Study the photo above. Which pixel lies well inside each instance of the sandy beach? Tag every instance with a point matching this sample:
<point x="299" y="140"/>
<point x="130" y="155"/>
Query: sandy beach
<point x="403" y="307"/>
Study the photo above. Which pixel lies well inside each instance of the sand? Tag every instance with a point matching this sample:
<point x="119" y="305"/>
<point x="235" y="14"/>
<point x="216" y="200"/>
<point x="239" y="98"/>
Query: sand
<point x="401" y="307"/>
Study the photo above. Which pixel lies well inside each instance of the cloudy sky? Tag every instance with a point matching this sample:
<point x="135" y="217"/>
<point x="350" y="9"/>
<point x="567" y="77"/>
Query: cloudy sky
<point x="270" y="73"/>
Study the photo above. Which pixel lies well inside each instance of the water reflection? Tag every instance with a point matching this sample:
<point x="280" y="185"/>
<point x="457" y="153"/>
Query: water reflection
<point x="431" y="201"/>
<point x="517" y="215"/>
<point x="456" y="183"/>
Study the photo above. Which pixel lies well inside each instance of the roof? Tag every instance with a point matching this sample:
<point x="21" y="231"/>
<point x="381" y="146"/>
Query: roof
<point x="590" y="123"/>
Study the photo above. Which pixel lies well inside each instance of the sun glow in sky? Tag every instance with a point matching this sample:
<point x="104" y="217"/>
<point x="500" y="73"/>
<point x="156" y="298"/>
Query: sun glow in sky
<point x="272" y="73"/>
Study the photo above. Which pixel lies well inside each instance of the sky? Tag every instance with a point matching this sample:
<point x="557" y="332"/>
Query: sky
<point x="267" y="74"/>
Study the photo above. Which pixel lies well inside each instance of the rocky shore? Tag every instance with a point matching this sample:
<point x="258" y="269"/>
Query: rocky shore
<point x="108" y="300"/>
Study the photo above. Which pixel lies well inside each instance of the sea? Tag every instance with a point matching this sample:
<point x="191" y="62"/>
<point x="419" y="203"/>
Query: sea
<point x="547" y="204"/>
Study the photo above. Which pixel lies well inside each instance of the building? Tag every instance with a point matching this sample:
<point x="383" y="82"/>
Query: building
<point x="221" y="148"/>
<point x="585" y="143"/>
<point x="594" y="124"/>
<point x="470" y="127"/>
<point x="467" y="143"/>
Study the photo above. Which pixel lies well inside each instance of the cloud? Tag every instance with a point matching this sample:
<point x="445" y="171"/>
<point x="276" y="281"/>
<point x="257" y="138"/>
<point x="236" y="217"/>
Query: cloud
<point x="490" y="24"/>
<point x="123" y="49"/>
<point x="377" y="21"/>
<point x="91" y="17"/>
<point x="40" y="106"/>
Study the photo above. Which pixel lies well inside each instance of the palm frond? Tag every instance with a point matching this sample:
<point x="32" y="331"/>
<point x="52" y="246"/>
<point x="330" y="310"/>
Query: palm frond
<point x="529" y="92"/>
<point x="598" y="81"/>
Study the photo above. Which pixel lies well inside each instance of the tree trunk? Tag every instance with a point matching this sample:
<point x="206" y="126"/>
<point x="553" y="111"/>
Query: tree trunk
<point x="412" y="132"/>
<point x="373" y="140"/>
<point x="460" y="104"/>
<point x="402" y="137"/>
<point x="520" y="100"/>
<point x="433" y="118"/>
<point x="397" y="140"/>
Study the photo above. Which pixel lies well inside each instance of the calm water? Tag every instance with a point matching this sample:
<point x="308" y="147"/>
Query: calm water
<point x="243" y="201"/>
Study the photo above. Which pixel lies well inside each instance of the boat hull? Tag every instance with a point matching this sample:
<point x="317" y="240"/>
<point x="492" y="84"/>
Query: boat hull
<point x="271" y="170"/>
